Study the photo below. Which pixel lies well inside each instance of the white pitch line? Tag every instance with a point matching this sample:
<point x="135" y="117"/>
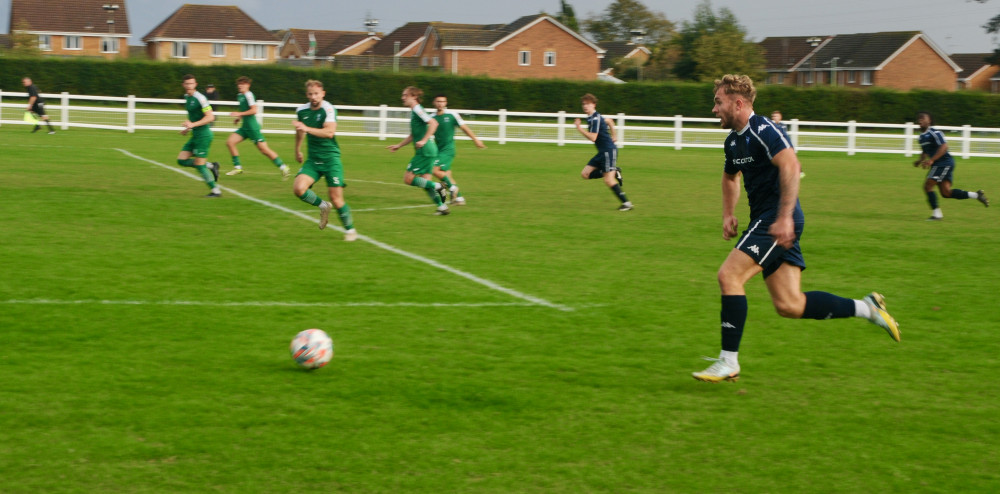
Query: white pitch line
<point x="200" y="303"/>
<point x="365" y="238"/>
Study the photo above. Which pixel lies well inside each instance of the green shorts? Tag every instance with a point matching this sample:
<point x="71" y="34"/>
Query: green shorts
<point x="325" y="166"/>
<point x="198" y="145"/>
<point x="253" y="135"/>
<point x="445" y="156"/>
<point x="424" y="160"/>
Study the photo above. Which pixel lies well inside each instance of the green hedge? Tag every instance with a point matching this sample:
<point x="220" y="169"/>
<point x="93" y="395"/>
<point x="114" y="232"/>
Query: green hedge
<point x="281" y="83"/>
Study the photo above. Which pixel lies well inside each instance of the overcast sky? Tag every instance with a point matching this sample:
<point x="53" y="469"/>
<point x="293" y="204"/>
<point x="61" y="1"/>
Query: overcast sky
<point x="953" y="25"/>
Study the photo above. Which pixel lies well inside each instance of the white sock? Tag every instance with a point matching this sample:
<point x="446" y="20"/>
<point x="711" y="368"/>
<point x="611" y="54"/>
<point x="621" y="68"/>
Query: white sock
<point x="731" y="358"/>
<point x="973" y="195"/>
<point x="937" y="213"/>
<point x="216" y="190"/>
<point x="862" y="309"/>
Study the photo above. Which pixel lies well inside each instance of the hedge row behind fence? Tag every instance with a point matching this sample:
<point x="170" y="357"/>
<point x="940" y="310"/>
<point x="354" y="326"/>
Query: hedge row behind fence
<point x="280" y="83"/>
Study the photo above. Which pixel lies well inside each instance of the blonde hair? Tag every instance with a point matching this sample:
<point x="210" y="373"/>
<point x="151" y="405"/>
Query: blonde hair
<point x="415" y="92"/>
<point x="313" y="82"/>
<point x="740" y="85"/>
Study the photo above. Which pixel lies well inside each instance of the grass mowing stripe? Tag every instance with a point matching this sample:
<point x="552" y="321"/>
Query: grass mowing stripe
<point x="382" y="245"/>
<point x="262" y="303"/>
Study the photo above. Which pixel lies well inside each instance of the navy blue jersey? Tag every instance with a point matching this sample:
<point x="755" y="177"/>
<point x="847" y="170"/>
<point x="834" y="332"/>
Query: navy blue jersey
<point x="33" y="91"/>
<point x="784" y="131"/>
<point x="750" y="151"/>
<point x="596" y="123"/>
<point x="930" y="141"/>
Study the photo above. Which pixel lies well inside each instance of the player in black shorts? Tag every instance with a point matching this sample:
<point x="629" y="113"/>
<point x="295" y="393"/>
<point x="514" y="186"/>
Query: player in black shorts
<point x="605" y="163"/>
<point x="36" y="104"/>
<point x="758" y="151"/>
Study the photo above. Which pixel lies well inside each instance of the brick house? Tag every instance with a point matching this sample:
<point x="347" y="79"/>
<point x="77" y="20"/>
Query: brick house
<point x="897" y="60"/>
<point x="88" y="28"/>
<point x="622" y="53"/>
<point x="976" y="71"/>
<point x="211" y="34"/>
<point x="535" y="46"/>
<point x="297" y="43"/>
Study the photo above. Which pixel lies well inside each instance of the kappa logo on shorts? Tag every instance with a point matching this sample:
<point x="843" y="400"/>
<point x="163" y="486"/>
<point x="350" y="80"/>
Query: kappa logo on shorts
<point x="755" y="250"/>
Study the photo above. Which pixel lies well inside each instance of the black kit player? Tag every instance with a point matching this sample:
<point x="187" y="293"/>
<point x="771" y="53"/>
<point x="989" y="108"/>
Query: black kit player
<point x="758" y="151"/>
<point x="936" y="157"/>
<point x="605" y="163"/>
<point x="36" y="104"/>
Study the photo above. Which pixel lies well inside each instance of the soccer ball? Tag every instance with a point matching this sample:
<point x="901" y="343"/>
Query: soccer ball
<point x="312" y="348"/>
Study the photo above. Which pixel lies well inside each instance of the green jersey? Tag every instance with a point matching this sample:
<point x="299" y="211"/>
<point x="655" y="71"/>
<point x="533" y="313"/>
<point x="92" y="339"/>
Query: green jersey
<point x="418" y="123"/>
<point x="196" y="106"/>
<point x="445" y="134"/>
<point x="247" y="101"/>
<point x="315" y="119"/>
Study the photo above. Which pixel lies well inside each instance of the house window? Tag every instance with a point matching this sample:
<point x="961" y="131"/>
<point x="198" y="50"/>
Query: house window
<point x="179" y="49"/>
<point x="109" y="45"/>
<point x="72" y="43"/>
<point x="550" y="58"/>
<point x="218" y="49"/>
<point x="866" y="78"/>
<point x="781" y="78"/>
<point x="851" y="76"/>
<point x="524" y="57"/>
<point x="255" y="52"/>
<point x="436" y="61"/>
<point x="423" y="61"/>
<point x="44" y="42"/>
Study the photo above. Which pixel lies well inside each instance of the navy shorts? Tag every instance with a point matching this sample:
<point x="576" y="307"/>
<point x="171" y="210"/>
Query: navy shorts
<point x="757" y="243"/>
<point x="605" y="161"/>
<point x="941" y="173"/>
<point x="38" y="109"/>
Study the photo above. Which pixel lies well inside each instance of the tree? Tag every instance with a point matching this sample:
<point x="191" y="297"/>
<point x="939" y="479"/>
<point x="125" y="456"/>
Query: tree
<point x="622" y="17"/>
<point x="992" y="27"/>
<point x="713" y="45"/>
<point x="567" y="16"/>
<point x="23" y="43"/>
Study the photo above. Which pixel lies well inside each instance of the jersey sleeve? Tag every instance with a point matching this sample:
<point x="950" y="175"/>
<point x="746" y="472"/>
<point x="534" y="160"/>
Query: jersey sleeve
<point x="594" y="123"/>
<point x="251" y="101"/>
<point x="728" y="166"/>
<point x="203" y="101"/>
<point x="331" y="112"/>
<point x="458" y="118"/>
<point x="420" y="112"/>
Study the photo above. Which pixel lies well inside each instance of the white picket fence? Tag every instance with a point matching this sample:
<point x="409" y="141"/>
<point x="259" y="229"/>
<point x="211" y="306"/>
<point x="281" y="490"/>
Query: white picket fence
<point x="131" y="114"/>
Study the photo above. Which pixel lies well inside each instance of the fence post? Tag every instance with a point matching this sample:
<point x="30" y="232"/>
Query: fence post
<point x="1" y="107"/>
<point x="966" y="141"/>
<point x="793" y="132"/>
<point x="678" y="132"/>
<point x="561" y="131"/>
<point x="502" y="128"/>
<point x="383" y="121"/>
<point x="621" y="130"/>
<point x="130" y="115"/>
<point x="908" y="139"/>
<point x="65" y="111"/>
<point x="260" y="113"/>
<point x="852" y="137"/>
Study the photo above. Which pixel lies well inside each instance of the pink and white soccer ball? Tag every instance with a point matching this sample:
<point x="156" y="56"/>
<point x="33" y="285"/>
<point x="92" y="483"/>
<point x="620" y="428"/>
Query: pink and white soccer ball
<point x="312" y="348"/>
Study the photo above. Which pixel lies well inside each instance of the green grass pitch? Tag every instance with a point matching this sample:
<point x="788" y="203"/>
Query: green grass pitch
<point x="536" y="340"/>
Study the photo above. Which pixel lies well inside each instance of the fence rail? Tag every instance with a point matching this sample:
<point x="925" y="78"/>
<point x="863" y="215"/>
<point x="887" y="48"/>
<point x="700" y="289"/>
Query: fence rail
<point x="130" y="114"/>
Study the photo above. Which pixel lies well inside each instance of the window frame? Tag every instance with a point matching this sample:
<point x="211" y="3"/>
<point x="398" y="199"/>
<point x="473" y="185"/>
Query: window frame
<point x="548" y="55"/>
<point x="250" y="51"/>
<point x="68" y="39"/>
<point x="221" y="52"/>
<point x="524" y="58"/>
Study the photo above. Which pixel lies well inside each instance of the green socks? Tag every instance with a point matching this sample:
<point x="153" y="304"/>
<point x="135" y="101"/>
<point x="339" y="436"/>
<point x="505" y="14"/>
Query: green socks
<point x="205" y="174"/>
<point x="345" y="217"/>
<point x="310" y="197"/>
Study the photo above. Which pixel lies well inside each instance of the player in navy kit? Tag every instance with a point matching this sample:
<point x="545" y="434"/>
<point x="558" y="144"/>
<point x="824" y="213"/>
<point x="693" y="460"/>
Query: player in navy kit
<point x="759" y="152"/>
<point x="605" y="163"/>
<point x="936" y="157"/>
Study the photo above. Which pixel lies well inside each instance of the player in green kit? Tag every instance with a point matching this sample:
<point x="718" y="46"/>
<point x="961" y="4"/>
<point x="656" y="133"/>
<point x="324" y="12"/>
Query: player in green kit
<point x="250" y="129"/>
<point x="199" y="117"/>
<point x="317" y="122"/>
<point x="418" y="171"/>
<point x="445" y="139"/>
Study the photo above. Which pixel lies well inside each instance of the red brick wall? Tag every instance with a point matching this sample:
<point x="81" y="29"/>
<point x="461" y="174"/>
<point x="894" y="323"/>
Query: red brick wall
<point x="917" y="67"/>
<point x="574" y="59"/>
